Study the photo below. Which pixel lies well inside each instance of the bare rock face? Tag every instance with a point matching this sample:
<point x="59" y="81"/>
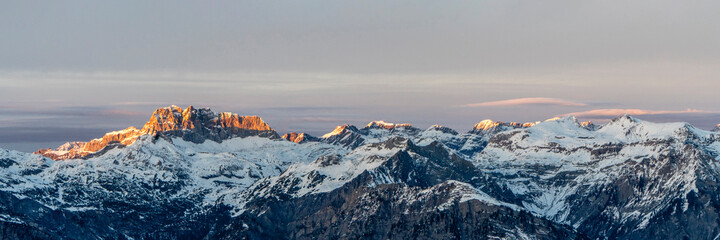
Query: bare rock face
<point x="300" y="137"/>
<point x="72" y="150"/>
<point x="173" y="118"/>
<point x="196" y="125"/>
<point x="125" y="137"/>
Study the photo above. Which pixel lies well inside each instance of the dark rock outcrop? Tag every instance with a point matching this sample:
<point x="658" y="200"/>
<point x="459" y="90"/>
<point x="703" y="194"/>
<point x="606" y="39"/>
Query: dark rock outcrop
<point x="388" y="211"/>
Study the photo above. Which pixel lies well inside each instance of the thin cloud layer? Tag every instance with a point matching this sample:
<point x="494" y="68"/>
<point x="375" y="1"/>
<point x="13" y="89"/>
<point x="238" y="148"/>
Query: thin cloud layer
<point x="528" y="101"/>
<point x="610" y="113"/>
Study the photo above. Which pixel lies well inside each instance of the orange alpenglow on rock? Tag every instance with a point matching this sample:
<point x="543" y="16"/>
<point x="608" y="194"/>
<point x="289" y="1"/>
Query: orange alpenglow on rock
<point x="294" y="137"/>
<point x="386" y="125"/>
<point x="165" y="119"/>
<point x="191" y="124"/>
<point x="299" y="137"/>
<point x="339" y="130"/>
<point x="486" y="124"/>
<point x="489" y="125"/>
<point x="230" y="120"/>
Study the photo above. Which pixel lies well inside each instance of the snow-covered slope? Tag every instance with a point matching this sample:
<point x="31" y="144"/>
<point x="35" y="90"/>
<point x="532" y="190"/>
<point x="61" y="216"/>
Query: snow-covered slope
<point x="162" y="180"/>
<point x="615" y="181"/>
<point x="556" y="179"/>
<point x="166" y="167"/>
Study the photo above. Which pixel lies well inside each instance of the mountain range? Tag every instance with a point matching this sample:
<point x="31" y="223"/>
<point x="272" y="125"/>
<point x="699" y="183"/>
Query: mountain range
<point x="196" y="174"/>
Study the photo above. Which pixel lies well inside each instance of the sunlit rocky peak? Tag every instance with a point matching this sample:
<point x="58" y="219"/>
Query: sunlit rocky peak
<point x="488" y="124"/>
<point x="339" y="130"/>
<point x="199" y="122"/>
<point x="386" y="125"/>
<point x="299" y="137"/>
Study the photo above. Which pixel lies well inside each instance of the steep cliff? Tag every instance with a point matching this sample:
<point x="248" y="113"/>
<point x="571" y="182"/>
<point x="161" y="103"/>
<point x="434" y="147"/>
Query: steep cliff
<point x="192" y="124"/>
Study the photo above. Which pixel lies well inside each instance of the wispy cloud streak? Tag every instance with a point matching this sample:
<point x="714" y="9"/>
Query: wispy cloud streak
<point x="527" y="101"/>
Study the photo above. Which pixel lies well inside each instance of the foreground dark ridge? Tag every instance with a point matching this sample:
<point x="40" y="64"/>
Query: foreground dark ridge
<point x="557" y="179"/>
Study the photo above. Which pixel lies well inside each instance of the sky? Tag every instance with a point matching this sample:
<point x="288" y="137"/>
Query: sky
<point x="73" y="70"/>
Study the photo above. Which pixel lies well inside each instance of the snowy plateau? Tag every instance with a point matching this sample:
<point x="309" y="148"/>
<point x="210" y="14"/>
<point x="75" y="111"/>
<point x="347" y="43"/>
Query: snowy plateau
<point x="195" y="174"/>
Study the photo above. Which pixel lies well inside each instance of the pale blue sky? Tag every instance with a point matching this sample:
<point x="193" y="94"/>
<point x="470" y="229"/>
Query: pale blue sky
<point x="72" y="70"/>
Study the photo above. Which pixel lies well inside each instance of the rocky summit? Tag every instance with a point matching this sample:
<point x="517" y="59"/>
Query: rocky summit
<point x="196" y="174"/>
<point x="196" y="125"/>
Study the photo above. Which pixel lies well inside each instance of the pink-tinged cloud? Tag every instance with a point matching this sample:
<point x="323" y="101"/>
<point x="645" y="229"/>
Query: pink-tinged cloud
<point x="610" y="113"/>
<point x="528" y="101"/>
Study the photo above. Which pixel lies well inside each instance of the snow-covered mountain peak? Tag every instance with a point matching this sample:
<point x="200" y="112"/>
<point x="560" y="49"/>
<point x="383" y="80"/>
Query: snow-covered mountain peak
<point x="564" y="131"/>
<point x="490" y="126"/>
<point x="572" y="119"/>
<point x="387" y="125"/>
<point x="625" y="118"/>
<point x="568" y="118"/>
<point x="486" y="124"/>
<point x="627" y="128"/>
<point x="559" y="124"/>
<point x="624" y="121"/>
<point x="341" y="130"/>
<point x="442" y="129"/>
<point x="570" y="133"/>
